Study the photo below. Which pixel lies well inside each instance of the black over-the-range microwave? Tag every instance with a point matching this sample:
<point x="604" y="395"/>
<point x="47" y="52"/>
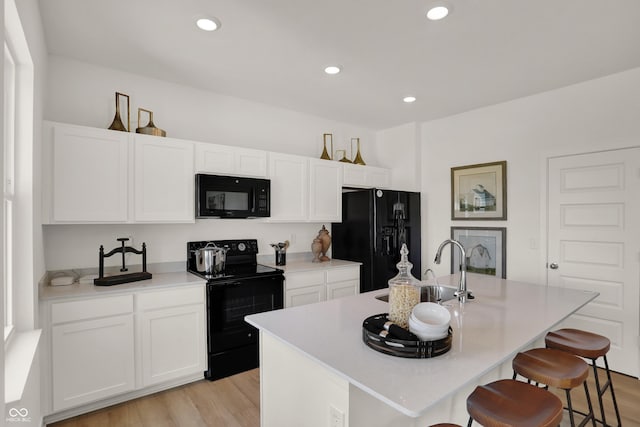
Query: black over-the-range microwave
<point x="219" y="196"/>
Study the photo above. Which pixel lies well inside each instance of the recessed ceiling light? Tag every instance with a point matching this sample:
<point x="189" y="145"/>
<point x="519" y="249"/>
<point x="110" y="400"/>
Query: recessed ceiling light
<point x="332" y="69"/>
<point x="208" y="24"/>
<point x="409" y="99"/>
<point x="437" y="12"/>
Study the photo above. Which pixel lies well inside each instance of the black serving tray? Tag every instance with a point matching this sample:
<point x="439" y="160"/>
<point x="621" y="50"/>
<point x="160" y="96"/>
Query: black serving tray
<point x="403" y="348"/>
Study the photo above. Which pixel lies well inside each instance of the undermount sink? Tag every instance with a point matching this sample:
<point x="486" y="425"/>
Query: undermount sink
<point x="430" y="293"/>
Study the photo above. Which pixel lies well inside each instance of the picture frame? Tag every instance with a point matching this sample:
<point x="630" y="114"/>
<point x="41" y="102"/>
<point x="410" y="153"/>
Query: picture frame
<point x="485" y="247"/>
<point x="479" y="192"/>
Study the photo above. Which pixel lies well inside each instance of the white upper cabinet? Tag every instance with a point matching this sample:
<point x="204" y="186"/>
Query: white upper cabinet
<point x="366" y="176"/>
<point x="304" y="189"/>
<point x="289" y="177"/>
<point x="226" y="160"/>
<point x="85" y="174"/>
<point x="164" y="180"/>
<point x="325" y="191"/>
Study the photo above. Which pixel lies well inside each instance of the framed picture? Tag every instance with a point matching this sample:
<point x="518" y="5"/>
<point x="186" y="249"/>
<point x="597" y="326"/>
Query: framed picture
<point x="479" y="191"/>
<point x="486" y="250"/>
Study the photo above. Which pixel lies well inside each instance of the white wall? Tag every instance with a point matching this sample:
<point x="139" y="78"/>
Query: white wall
<point x="76" y="246"/>
<point x="590" y="116"/>
<point x="83" y="94"/>
<point x="399" y="149"/>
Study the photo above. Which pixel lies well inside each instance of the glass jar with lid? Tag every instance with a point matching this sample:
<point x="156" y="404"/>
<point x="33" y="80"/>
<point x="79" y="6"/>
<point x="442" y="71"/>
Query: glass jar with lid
<point x="404" y="291"/>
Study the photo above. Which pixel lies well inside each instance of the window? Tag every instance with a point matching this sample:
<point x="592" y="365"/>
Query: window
<point x="8" y="184"/>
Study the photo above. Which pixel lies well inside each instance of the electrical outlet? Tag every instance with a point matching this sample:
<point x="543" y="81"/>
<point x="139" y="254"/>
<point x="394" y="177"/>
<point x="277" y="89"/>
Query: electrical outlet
<point x="336" y="417"/>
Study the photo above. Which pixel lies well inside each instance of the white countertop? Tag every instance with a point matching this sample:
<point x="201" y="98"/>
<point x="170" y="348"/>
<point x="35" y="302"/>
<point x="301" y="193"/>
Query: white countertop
<point x="504" y="317"/>
<point x="304" y="263"/>
<point x="158" y="281"/>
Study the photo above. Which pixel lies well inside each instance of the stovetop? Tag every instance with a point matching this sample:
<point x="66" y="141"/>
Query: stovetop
<point x="240" y="260"/>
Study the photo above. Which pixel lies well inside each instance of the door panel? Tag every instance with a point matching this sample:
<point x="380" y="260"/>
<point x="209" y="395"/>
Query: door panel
<point x="594" y="229"/>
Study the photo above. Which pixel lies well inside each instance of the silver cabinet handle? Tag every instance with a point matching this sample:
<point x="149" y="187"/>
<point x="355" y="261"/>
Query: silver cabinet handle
<point x="553" y="266"/>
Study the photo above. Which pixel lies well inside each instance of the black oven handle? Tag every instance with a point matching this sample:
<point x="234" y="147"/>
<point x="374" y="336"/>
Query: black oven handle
<point x="228" y="283"/>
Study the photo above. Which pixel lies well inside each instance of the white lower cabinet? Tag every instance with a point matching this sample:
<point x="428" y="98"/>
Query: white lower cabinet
<point x="172" y="334"/>
<point x="108" y="346"/>
<point x="306" y="295"/>
<point x="307" y="287"/>
<point x="92" y="358"/>
<point x="343" y="282"/>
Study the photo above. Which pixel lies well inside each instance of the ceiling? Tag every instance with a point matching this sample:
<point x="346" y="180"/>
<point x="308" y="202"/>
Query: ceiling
<point x="274" y="51"/>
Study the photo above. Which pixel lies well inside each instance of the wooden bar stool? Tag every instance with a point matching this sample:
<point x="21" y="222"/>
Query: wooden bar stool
<point x="505" y="403"/>
<point x="555" y="368"/>
<point x="590" y="346"/>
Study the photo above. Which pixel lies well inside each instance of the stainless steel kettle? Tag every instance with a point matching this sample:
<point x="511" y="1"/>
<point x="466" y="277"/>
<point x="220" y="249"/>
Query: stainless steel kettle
<point x="211" y="259"/>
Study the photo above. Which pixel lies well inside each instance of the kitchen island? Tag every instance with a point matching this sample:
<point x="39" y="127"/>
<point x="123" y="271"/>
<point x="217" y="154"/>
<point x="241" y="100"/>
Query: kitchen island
<point x="315" y="369"/>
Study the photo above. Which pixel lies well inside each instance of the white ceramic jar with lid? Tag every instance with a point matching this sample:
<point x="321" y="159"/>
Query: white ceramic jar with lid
<point x="404" y="291"/>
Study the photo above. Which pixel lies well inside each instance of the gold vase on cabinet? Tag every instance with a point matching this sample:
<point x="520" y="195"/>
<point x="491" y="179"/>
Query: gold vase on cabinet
<point x="357" y="160"/>
<point x="117" y="124"/>
<point x="325" y="154"/>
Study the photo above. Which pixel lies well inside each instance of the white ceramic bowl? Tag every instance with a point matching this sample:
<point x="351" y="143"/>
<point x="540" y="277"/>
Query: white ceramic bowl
<point x="424" y="334"/>
<point x="429" y="321"/>
<point x="431" y="314"/>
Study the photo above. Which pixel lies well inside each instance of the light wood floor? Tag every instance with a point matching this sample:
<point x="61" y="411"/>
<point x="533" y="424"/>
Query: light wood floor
<point x="235" y="402"/>
<point x="627" y="391"/>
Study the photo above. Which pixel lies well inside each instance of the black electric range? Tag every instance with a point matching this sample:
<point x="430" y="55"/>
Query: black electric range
<point x="243" y="287"/>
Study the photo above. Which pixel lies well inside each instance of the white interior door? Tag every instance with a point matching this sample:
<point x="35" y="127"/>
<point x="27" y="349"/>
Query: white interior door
<point x="594" y="244"/>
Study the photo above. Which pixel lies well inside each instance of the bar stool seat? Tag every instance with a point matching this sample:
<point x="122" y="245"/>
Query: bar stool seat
<point x="590" y="346"/>
<point x="581" y="343"/>
<point x="445" y="425"/>
<point x="506" y="403"/>
<point x="555" y="368"/>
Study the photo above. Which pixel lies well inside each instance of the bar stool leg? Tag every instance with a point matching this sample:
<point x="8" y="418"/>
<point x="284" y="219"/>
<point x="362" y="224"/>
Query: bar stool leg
<point x="601" y="391"/>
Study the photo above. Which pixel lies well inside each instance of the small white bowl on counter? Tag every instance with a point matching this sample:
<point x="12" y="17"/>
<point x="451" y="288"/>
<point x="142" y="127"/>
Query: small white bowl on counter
<point x="429" y="321"/>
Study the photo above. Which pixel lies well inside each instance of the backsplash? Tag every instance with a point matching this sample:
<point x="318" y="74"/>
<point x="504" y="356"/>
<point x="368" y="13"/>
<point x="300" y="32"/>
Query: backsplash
<point x="76" y="246"/>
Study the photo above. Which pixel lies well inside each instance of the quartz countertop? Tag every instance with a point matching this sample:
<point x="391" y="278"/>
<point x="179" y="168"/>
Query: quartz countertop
<point x="303" y="262"/>
<point x="158" y="281"/>
<point x="504" y="317"/>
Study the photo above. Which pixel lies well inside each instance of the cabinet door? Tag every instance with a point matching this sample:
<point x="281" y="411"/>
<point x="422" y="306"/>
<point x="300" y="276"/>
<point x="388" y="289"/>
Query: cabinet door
<point x="173" y="343"/>
<point x="214" y="159"/>
<point x="342" y="289"/>
<point x="325" y="191"/>
<point x="342" y="282"/>
<point x="302" y="296"/>
<point x="227" y="160"/>
<point x="378" y="178"/>
<point x="87" y="174"/>
<point x="164" y="180"/>
<point x="289" y="187"/>
<point x="250" y="162"/>
<point x="366" y="176"/>
<point x="92" y="360"/>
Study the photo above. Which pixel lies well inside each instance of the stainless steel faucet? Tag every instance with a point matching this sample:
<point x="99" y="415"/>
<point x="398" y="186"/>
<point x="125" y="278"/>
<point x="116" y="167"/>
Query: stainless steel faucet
<point x="462" y="292"/>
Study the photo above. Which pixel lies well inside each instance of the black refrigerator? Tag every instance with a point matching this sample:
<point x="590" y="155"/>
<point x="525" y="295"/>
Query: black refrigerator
<point x="375" y="224"/>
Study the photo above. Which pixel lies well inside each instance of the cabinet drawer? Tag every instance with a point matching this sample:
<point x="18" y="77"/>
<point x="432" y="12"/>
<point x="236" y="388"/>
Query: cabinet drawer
<point x="169" y="298"/>
<point x="304" y="279"/>
<point x="91" y="309"/>
<point x="342" y="274"/>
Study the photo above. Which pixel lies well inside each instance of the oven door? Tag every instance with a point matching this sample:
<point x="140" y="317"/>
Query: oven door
<point x="229" y="301"/>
